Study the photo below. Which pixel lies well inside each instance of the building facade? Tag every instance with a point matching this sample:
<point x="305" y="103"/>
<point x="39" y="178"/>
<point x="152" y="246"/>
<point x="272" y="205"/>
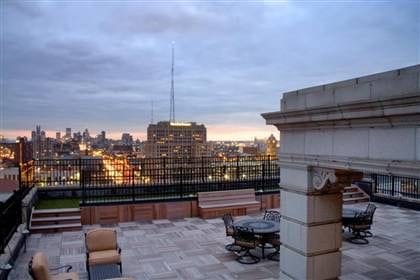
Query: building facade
<point x="176" y="140"/>
<point x="330" y="135"/>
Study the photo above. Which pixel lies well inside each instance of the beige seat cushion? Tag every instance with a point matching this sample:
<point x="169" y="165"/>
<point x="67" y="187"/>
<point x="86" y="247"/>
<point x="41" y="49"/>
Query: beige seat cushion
<point x="104" y="257"/>
<point x="65" y="276"/>
<point x="40" y="266"/>
<point x="101" y="239"/>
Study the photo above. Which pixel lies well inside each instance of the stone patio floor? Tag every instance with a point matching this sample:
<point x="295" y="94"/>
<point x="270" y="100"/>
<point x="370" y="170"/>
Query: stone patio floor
<point x="193" y="248"/>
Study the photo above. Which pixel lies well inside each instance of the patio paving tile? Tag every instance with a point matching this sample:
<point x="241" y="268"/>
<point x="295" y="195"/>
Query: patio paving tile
<point x="193" y="248"/>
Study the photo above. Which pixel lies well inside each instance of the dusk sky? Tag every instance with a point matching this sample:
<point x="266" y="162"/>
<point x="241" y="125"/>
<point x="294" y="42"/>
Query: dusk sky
<point x="99" y="64"/>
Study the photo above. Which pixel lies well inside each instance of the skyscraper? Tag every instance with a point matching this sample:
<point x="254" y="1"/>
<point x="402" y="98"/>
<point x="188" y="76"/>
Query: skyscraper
<point x="68" y="134"/>
<point x="176" y="140"/>
<point x="41" y="145"/>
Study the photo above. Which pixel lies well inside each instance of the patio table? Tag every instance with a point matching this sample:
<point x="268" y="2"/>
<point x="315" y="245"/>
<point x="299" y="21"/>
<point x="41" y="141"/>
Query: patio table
<point x="261" y="227"/>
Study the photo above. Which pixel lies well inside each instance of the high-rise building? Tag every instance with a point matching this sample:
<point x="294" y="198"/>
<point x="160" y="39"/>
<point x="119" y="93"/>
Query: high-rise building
<point x="23" y="150"/>
<point x="176" y="140"/>
<point x="41" y="145"/>
<point x="58" y="136"/>
<point x="126" y="139"/>
<point x="86" y="136"/>
<point x="68" y="133"/>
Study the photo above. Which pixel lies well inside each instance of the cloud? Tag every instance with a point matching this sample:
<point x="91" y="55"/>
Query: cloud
<point x="100" y="64"/>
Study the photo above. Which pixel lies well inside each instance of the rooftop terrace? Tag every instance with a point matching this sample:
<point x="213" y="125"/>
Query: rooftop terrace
<point x="193" y="248"/>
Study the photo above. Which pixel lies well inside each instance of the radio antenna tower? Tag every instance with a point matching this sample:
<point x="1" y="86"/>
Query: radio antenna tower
<point x="172" y="106"/>
<point x="151" y="113"/>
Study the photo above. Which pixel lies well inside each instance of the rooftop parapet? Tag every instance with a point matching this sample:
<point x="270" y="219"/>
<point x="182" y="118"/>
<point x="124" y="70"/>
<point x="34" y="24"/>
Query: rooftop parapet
<point x="375" y="87"/>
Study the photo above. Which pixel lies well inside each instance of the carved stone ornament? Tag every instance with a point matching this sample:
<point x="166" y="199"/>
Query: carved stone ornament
<point x="322" y="178"/>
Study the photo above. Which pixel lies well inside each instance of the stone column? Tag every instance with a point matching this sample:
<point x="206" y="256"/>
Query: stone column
<point x="311" y="207"/>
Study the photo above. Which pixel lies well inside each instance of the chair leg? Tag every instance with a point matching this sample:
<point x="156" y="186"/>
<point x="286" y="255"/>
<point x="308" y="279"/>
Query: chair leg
<point x="357" y="238"/>
<point x="275" y="256"/>
<point x="232" y="247"/>
<point x="247" y="258"/>
<point x="120" y="268"/>
<point x="367" y="233"/>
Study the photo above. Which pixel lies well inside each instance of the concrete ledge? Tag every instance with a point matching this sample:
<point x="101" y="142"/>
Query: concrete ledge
<point x="388" y="167"/>
<point x="396" y="111"/>
<point x="12" y="250"/>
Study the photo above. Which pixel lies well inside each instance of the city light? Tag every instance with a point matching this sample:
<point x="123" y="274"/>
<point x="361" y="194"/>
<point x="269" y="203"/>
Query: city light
<point x="180" y="124"/>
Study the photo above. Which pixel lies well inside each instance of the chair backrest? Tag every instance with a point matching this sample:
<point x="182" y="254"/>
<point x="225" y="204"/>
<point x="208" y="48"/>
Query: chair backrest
<point x="361" y="219"/>
<point x="101" y="239"/>
<point x="244" y="234"/>
<point x="272" y="215"/>
<point x="38" y="267"/>
<point x="228" y="220"/>
<point x="370" y="210"/>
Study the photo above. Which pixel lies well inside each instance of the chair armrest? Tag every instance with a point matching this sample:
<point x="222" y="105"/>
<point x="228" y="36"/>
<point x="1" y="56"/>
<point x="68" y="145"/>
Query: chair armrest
<point x="67" y="267"/>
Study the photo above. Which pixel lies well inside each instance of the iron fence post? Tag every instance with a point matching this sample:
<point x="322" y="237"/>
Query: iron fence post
<point x="81" y="181"/>
<point x="375" y="184"/>
<point x="263" y="177"/>
<point x="237" y="168"/>
<point x="132" y="185"/>
<point x="181" y="183"/>
<point x="164" y="171"/>
<point x="20" y="175"/>
<point x="202" y="169"/>
<point x="393" y="185"/>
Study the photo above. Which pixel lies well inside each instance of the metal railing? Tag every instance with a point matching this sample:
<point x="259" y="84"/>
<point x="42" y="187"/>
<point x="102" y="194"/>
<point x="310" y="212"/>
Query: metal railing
<point x="115" y="180"/>
<point x="11" y="216"/>
<point x="396" y="186"/>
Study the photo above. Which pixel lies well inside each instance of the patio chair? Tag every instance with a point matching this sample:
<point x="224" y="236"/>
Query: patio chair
<point x="358" y="227"/>
<point x="38" y="269"/>
<point x="275" y="241"/>
<point x="272" y="215"/>
<point x="370" y="211"/>
<point x="102" y="248"/>
<point x="246" y="239"/>
<point x="228" y="220"/>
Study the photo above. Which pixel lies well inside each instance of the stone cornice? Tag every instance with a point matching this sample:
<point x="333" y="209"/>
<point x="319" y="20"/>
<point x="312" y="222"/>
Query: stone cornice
<point x="401" y="111"/>
<point x="389" y="167"/>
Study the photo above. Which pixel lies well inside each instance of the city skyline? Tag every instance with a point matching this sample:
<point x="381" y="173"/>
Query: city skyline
<point x="103" y="70"/>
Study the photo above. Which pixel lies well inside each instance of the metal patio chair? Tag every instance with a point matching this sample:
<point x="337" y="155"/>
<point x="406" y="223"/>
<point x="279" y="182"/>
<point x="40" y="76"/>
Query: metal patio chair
<point x="228" y="220"/>
<point x="246" y="239"/>
<point x="272" y="215"/>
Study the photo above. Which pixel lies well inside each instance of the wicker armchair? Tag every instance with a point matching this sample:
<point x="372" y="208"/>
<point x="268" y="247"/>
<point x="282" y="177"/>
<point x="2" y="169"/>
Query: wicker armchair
<point x="102" y="247"/>
<point x="38" y="269"/>
<point x="246" y="239"/>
